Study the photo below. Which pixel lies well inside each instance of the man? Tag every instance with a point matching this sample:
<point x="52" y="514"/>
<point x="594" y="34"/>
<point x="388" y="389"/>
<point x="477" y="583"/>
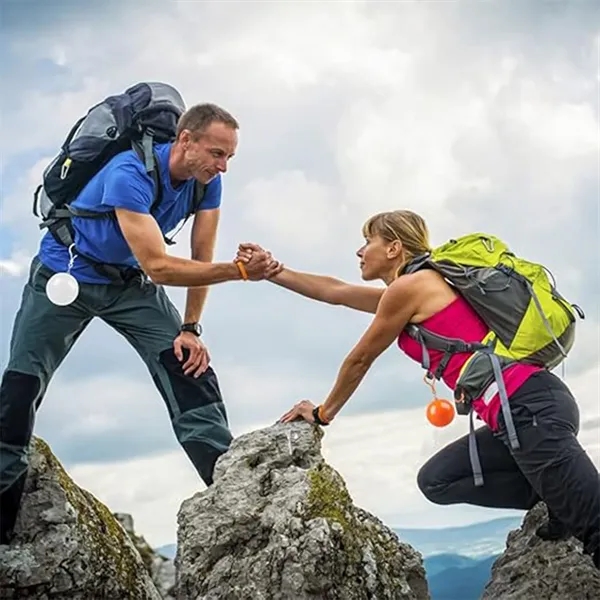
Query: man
<point x="137" y="305"/>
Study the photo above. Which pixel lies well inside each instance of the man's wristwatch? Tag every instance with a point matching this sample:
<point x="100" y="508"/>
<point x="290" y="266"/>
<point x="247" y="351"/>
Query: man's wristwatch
<point x="317" y="418"/>
<point x="194" y="328"/>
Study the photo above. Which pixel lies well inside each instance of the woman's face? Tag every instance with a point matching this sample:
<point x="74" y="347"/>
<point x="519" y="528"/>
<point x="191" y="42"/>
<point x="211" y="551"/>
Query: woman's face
<point x="377" y="257"/>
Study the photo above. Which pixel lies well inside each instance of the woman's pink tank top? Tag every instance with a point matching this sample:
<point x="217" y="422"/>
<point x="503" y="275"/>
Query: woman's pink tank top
<point x="459" y="320"/>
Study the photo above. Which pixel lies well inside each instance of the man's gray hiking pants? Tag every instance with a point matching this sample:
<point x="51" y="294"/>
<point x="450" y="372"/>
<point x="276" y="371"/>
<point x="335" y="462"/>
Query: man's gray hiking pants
<point x="43" y="334"/>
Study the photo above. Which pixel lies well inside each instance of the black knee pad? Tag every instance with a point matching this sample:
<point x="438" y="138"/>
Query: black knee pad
<point x="190" y="392"/>
<point x="18" y="393"/>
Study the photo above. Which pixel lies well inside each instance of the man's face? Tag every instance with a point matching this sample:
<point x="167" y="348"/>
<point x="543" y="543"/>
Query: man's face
<point x="207" y="154"/>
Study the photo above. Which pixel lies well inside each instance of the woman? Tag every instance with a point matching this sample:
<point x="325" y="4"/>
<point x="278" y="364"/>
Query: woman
<point x="549" y="465"/>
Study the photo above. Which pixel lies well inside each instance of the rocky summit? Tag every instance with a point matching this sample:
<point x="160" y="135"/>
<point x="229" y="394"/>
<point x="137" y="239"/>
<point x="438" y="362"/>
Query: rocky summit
<point x="279" y="524"/>
<point x="68" y="545"/>
<point x="532" y="569"/>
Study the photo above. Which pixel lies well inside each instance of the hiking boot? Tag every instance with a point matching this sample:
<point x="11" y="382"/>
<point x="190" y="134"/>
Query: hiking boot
<point x="552" y="530"/>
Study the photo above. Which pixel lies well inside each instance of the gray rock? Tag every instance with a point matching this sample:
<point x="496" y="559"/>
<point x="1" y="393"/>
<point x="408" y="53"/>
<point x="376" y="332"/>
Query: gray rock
<point x="532" y="569"/>
<point x="279" y="524"/>
<point x="67" y="543"/>
<point x="161" y="569"/>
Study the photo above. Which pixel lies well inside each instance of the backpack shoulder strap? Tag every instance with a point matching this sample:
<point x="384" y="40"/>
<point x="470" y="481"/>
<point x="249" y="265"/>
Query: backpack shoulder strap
<point x="147" y="155"/>
<point x="416" y="263"/>
<point x="199" y="190"/>
<point x="198" y="196"/>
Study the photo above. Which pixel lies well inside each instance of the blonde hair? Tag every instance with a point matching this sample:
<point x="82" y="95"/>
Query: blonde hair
<point x="404" y="226"/>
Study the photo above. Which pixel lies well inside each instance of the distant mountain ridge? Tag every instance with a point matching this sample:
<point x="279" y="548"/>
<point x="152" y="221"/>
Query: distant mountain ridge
<point x="458" y="560"/>
<point x="454" y="577"/>
<point x="168" y="550"/>
<point x="478" y="540"/>
<point x="442" y="562"/>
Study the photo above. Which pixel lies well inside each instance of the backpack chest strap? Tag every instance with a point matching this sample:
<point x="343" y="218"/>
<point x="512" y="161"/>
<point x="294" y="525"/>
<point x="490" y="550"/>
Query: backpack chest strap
<point x="432" y="341"/>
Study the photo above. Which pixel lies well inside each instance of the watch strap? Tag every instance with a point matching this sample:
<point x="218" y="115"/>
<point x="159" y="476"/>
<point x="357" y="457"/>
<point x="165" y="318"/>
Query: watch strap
<point x="194" y="328"/>
<point x="317" y="417"/>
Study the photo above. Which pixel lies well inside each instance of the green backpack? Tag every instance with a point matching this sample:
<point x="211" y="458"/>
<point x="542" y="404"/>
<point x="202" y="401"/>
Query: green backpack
<point x="529" y="320"/>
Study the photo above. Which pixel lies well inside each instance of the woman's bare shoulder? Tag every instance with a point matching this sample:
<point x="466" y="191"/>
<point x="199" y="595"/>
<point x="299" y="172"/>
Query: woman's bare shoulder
<point x="430" y="291"/>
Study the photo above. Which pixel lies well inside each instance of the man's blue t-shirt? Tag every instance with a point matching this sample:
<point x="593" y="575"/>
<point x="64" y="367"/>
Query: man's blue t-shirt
<point x="123" y="183"/>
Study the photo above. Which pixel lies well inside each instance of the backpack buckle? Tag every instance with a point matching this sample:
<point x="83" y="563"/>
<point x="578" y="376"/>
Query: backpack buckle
<point x="64" y="170"/>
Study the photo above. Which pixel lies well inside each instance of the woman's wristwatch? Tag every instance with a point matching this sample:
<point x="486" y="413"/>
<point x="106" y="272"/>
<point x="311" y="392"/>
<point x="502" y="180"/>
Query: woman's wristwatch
<point x="317" y="416"/>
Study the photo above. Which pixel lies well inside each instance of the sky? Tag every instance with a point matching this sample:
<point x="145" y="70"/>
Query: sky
<point x="481" y="116"/>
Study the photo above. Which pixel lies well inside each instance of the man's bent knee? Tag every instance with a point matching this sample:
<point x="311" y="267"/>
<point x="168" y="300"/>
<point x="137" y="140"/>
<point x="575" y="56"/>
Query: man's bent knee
<point x="186" y="391"/>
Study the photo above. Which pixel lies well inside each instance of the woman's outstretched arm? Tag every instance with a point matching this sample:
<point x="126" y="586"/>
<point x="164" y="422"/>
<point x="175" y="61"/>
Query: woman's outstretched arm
<point x="319" y="287"/>
<point x="330" y="290"/>
<point x="395" y="310"/>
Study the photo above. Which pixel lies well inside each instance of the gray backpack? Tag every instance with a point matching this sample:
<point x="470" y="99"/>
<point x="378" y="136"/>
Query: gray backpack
<point x="143" y="115"/>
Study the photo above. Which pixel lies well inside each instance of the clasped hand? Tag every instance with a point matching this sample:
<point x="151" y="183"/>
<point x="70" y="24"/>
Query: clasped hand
<point x="258" y="262"/>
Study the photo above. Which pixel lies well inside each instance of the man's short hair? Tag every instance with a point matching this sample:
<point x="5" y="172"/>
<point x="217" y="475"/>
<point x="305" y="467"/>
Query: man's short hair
<point x="197" y="118"/>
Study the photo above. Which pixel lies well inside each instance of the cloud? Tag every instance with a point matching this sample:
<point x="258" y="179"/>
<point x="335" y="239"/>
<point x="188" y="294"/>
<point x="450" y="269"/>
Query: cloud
<point x="278" y="206"/>
<point x="14" y="266"/>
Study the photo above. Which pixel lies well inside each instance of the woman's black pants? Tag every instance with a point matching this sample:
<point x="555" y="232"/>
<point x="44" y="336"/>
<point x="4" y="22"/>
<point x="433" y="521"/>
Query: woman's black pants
<point x="550" y="464"/>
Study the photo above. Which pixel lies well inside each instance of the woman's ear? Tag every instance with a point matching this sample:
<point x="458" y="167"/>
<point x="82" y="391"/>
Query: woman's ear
<point x="394" y="249"/>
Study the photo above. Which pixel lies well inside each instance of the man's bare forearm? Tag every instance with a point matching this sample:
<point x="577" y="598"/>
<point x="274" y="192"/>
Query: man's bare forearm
<point x="183" y="272"/>
<point x="194" y="304"/>
<point x="196" y="296"/>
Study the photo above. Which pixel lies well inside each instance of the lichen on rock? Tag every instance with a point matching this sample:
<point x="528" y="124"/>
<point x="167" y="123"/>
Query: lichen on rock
<point x="160" y="568"/>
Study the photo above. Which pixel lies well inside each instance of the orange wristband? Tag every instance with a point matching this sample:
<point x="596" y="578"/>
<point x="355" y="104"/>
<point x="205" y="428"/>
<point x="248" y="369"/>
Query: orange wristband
<point x="242" y="270"/>
<point x="320" y="413"/>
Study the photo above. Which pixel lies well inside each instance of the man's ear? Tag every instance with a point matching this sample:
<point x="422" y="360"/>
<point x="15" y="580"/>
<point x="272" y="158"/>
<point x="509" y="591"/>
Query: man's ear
<point x="185" y="137"/>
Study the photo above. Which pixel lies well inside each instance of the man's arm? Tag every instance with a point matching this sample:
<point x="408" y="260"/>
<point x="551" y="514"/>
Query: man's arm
<point x="146" y="242"/>
<point x="204" y="236"/>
